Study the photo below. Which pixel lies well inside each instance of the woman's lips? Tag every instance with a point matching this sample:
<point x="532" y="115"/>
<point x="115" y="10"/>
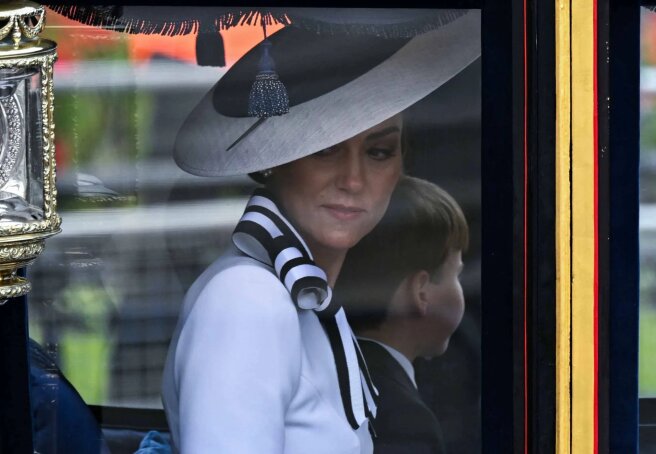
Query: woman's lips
<point x="343" y="212"/>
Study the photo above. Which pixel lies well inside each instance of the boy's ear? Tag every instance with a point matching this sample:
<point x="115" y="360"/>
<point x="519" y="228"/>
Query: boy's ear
<point x="418" y="282"/>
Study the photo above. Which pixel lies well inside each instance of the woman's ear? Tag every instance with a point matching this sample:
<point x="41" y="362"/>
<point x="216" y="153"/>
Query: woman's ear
<point x="418" y="283"/>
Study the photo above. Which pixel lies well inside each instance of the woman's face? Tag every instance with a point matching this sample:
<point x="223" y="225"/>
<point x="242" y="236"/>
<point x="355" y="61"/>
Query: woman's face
<point x="336" y="196"/>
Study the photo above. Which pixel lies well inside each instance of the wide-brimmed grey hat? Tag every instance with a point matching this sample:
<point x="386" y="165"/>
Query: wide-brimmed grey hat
<point x="338" y="86"/>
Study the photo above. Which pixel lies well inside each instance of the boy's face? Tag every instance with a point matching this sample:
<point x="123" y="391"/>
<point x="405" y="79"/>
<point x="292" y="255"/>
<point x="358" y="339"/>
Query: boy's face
<point x="447" y="304"/>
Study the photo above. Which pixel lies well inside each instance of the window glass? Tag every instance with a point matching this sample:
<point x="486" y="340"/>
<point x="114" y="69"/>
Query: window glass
<point x="137" y="230"/>
<point x="647" y="336"/>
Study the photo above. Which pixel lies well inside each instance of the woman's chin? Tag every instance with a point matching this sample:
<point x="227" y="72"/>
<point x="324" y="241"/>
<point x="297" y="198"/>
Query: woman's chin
<point x="339" y="242"/>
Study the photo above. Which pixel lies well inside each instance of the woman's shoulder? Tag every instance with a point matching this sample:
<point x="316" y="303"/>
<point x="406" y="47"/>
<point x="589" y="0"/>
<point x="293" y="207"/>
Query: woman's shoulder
<point x="236" y="271"/>
<point x="235" y="284"/>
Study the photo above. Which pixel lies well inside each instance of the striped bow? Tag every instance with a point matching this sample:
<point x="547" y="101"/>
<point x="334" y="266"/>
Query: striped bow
<point x="264" y="234"/>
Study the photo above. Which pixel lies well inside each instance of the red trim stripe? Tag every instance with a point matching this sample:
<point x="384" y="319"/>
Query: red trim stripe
<point x="596" y="229"/>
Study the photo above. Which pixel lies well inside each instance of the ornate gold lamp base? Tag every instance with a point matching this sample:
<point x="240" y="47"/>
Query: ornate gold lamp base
<point x="12" y="286"/>
<point x="15" y="255"/>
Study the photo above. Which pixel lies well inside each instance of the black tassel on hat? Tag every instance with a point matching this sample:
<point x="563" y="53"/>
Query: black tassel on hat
<point x="268" y="96"/>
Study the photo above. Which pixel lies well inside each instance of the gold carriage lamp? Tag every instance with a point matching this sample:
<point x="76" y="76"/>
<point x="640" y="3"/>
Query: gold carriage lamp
<point x="27" y="155"/>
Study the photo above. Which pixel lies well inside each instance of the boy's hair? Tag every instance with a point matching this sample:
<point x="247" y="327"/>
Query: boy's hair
<point x="422" y="224"/>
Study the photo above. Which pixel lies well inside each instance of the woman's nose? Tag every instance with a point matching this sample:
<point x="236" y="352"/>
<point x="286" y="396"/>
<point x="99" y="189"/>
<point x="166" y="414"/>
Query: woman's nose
<point x="351" y="173"/>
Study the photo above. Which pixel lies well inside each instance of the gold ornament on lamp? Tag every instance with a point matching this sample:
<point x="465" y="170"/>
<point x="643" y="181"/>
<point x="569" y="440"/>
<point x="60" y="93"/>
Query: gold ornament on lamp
<point x="27" y="149"/>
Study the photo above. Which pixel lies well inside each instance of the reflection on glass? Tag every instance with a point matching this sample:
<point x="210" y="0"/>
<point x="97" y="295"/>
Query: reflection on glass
<point x="18" y="95"/>
<point x="647" y="334"/>
<point x="137" y="231"/>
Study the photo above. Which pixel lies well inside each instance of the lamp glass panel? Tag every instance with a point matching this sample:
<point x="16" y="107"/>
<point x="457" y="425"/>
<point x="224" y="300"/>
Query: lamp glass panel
<point x="35" y="140"/>
<point x="18" y="201"/>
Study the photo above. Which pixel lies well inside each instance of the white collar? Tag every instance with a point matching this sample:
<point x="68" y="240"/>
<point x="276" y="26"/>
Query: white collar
<point x="399" y="357"/>
<point x="265" y="235"/>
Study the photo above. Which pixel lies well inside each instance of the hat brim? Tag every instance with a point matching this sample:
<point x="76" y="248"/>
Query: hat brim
<point x="207" y="143"/>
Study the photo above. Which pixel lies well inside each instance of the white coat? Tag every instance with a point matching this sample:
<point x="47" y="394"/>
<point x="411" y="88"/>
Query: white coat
<point x="248" y="372"/>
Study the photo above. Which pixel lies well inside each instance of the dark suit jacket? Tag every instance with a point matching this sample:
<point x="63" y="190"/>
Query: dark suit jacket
<point x="403" y="424"/>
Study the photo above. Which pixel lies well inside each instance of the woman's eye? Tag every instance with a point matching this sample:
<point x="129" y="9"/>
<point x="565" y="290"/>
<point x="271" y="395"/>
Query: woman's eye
<point x="381" y="154"/>
<point x="326" y="151"/>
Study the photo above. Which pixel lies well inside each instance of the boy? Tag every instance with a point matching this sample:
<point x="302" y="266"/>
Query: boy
<point x="401" y="291"/>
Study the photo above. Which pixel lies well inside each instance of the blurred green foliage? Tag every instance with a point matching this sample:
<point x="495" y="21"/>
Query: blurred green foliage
<point x="85" y="361"/>
<point x="647" y="350"/>
<point x="647" y="324"/>
<point x="648" y="132"/>
<point x="106" y="128"/>
<point x="85" y="346"/>
<point x="648" y="156"/>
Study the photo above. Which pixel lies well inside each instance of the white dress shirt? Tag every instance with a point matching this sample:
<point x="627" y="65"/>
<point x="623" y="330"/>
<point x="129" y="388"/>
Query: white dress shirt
<point x="247" y="372"/>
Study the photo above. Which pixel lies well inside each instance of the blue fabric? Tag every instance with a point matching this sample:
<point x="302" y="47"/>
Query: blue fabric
<point x="154" y="443"/>
<point x="62" y="421"/>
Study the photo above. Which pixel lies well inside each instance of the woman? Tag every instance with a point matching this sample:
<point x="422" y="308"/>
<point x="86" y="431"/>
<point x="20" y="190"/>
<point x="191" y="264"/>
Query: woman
<point x="263" y="360"/>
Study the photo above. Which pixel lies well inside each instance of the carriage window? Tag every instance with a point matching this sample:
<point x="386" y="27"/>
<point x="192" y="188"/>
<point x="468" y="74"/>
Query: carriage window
<point x="647" y="327"/>
<point x="647" y="349"/>
<point x="137" y="230"/>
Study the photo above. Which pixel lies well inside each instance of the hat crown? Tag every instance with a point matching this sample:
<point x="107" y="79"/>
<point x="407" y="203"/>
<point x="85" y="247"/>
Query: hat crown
<point x="308" y="64"/>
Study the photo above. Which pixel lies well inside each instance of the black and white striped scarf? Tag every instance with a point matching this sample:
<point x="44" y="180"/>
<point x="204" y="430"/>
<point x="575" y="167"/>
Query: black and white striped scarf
<point x="265" y="235"/>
